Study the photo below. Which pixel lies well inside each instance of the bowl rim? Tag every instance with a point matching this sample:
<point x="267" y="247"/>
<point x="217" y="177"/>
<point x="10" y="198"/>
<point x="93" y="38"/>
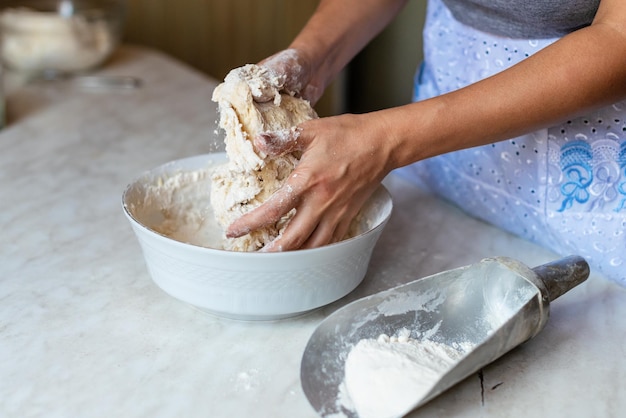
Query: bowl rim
<point x="164" y="238"/>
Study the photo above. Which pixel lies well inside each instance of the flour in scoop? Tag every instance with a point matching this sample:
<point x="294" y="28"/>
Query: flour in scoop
<point x="387" y="377"/>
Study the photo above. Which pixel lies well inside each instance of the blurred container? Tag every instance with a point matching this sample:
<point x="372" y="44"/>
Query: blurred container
<point x="2" y="99"/>
<point x="59" y="36"/>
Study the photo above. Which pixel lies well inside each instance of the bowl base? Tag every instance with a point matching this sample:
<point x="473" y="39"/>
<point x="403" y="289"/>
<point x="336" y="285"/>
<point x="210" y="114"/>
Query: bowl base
<point x="251" y="317"/>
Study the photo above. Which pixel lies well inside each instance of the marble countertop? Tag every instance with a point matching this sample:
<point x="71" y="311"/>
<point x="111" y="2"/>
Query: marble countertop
<point x="84" y="332"/>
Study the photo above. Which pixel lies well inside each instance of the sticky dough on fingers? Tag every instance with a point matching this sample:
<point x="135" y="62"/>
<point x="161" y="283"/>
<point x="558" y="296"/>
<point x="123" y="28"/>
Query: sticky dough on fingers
<point x="250" y="177"/>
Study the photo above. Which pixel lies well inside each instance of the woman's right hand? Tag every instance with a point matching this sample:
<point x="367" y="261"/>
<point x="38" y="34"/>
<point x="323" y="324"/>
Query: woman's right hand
<point x="293" y="73"/>
<point x="344" y="159"/>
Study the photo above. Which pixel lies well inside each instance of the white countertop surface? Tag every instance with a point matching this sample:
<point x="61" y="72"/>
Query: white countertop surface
<point x="84" y="332"/>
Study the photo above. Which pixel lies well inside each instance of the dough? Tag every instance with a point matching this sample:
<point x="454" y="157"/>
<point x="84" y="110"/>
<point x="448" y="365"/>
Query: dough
<point x="250" y="177"/>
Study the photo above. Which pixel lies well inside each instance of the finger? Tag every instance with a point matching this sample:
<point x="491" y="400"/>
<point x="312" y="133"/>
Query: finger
<point x="329" y="232"/>
<point x="342" y="230"/>
<point x="277" y="143"/>
<point x="305" y="231"/>
<point x="312" y="92"/>
<point x="270" y="212"/>
<point x="297" y="232"/>
<point x="287" y="62"/>
<point x="301" y="233"/>
<point x="322" y="235"/>
<point x="281" y="59"/>
<point x="335" y="229"/>
<point x="263" y="82"/>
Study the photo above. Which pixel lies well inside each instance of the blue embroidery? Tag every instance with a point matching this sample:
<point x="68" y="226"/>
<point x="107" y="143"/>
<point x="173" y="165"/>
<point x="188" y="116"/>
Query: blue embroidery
<point x="621" y="159"/>
<point x="418" y="79"/>
<point x="576" y="159"/>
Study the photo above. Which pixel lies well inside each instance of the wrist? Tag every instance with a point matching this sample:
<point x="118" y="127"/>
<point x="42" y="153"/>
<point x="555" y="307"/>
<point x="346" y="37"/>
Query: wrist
<point x="316" y="57"/>
<point x="414" y="132"/>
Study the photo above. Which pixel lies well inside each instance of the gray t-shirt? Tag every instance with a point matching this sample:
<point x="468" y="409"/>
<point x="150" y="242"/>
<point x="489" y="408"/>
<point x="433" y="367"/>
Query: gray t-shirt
<point x="531" y="19"/>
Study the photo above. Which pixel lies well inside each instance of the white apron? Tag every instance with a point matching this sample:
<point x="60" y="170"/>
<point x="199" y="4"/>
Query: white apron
<point x="562" y="187"/>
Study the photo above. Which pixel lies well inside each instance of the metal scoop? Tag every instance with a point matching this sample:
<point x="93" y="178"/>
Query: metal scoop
<point x="491" y="306"/>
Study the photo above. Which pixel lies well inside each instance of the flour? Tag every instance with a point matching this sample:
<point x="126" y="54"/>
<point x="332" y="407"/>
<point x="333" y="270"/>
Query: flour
<point x="387" y="377"/>
<point x="35" y="41"/>
<point x="286" y="62"/>
<point x="177" y="206"/>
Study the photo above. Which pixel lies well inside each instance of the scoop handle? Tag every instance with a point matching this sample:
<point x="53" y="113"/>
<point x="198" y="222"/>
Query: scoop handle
<point x="562" y="275"/>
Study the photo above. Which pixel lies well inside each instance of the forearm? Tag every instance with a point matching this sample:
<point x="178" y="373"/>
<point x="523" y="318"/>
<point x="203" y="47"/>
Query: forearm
<point x="582" y="71"/>
<point x="339" y="29"/>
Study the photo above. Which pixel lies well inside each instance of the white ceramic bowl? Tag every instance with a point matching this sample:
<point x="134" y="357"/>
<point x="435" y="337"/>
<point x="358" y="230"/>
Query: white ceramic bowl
<point x="250" y="285"/>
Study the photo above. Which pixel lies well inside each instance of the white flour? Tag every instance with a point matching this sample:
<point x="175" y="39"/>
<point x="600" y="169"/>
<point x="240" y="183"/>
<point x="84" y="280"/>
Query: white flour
<point x="388" y="376"/>
<point x="177" y="206"/>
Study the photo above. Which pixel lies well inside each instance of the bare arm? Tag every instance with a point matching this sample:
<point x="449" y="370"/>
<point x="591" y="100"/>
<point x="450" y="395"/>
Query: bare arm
<point x="338" y="30"/>
<point x="582" y="71"/>
<point x="335" y="33"/>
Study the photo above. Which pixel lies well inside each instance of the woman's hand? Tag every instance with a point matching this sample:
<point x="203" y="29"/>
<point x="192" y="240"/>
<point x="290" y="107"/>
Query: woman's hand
<point x="344" y="160"/>
<point x="294" y="72"/>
